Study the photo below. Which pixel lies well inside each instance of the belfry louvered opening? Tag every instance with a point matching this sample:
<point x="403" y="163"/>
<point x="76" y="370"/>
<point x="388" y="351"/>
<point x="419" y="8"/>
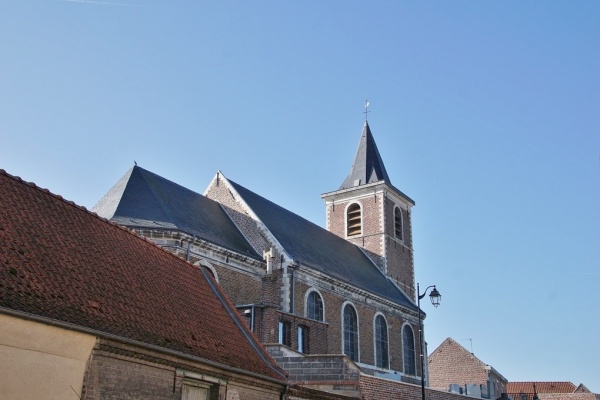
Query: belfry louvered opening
<point x="354" y="220"/>
<point x="398" y="223"/>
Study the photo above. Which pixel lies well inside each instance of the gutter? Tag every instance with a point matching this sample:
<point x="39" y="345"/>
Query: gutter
<point x="121" y="339"/>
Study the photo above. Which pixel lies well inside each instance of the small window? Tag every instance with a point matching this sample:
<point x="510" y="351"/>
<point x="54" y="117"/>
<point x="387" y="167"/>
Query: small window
<point x="303" y="339"/>
<point x="354" y="220"/>
<point x="314" y="306"/>
<point x="284" y="333"/>
<point x="398" y="223"/>
<point x="350" y="332"/>
<point x="381" y="343"/>
<point x="408" y="347"/>
<point x="190" y="392"/>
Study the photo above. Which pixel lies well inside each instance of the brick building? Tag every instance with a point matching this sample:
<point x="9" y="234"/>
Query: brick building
<point x="342" y="297"/>
<point x="454" y="368"/>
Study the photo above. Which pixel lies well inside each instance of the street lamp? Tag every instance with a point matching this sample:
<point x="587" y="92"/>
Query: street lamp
<point x="435" y="298"/>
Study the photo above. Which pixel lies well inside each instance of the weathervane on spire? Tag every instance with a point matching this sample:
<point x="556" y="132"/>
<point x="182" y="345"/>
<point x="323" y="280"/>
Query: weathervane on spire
<point x="366" y="109"/>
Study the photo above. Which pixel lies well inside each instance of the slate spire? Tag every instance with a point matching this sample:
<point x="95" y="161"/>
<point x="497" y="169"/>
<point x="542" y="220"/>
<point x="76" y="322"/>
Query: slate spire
<point x="368" y="166"/>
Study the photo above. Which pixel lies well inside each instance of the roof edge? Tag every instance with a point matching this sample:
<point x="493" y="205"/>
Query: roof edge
<point x="261" y="225"/>
<point x="388" y="185"/>
<point x="125" y="340"/>
<point x="256" y="346"/>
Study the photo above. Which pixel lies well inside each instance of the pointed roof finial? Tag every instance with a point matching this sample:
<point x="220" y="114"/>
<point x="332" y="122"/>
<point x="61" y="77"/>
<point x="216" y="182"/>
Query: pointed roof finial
<point x="366" y="109"/>
<point x="368" y="166"/>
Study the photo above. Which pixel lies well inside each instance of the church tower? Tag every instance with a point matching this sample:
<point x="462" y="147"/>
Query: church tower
<point x="370" y="212"/>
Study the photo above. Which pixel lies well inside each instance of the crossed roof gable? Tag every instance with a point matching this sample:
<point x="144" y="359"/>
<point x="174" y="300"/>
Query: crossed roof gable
<point x="320" y="249"/>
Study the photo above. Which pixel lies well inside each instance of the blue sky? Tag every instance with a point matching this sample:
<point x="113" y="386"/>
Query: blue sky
<point x="487" y="114"/>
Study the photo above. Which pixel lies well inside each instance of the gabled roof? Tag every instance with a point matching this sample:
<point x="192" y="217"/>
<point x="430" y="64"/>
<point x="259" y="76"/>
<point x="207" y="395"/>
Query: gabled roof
<point x="320" y="249"/>
<point x="142" y="199"/>
<point x="451" y="363"/>
<point x="61" y="262"/>
<point x="582" y="389"/>
<point x="368" y="166"/>
<point x="541" y="387"/>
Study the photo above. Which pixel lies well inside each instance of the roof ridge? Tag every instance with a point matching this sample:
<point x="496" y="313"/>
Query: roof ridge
<point x="451" y="341"/>
<point x="45" y="190"/>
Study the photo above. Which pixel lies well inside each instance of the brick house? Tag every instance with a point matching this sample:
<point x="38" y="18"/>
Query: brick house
<point x="454" y="368"/>
<point x="341" y="299"/>
<point x="91" y="310"/>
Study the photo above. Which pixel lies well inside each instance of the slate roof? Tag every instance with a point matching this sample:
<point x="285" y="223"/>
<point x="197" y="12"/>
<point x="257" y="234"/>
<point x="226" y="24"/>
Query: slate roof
<point x="541" y="387"/>
<point x="59" y="261"/>
<point x="322" y="250"/>
<point x="368" y="166"/>
<point x="142" y="199"/>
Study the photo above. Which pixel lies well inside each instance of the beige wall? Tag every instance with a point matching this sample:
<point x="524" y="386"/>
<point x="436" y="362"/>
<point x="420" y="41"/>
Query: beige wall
<point x="39" y="361"/>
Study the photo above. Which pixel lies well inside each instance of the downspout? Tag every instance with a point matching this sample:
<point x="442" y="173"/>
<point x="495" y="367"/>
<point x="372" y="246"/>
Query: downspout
<point x="187" y="253"/>
<point x="284" y="393"/>
<point x="293" y="289"/>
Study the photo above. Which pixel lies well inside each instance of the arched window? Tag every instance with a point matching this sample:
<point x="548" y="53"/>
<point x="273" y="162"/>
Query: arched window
<point x="408" y="347"/>
<point x="381" y="343"/>
<point x="350" y="332"/>
<point x="398" y="223"/>
<point x="353" y="220"/>
<point x="314" y="306"/>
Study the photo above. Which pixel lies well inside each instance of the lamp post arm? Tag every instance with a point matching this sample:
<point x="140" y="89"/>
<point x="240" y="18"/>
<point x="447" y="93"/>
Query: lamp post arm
<point x="424" y="292"/>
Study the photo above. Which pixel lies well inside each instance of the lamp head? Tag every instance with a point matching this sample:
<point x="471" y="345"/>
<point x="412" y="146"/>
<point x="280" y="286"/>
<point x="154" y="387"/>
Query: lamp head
<point x="436" y="297"/>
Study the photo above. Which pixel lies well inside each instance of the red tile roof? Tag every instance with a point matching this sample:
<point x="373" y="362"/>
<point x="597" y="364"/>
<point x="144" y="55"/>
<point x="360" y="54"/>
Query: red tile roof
<point x="566" y="396"/>
<point x="541" y="387"/>
<point x="59" y="261"/>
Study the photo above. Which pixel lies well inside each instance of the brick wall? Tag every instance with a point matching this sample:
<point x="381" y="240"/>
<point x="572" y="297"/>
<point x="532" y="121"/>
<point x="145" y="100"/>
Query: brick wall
<point x="120" y="371"/>
<point x="366" y="312"/>
<point x="372" y="225"/>
<point x="452" y="363"/>
<point x="296" y="392"/>
<point x="242" y="288"/>
<point x="395" y="256"/>
<point x="219" y="191"/>
<point x="372" y="388"/>
<point x="317" y="333"/>
<point x="399" y="253"/>
<point x="330" y="373"/>
<point x="335" y="369"/>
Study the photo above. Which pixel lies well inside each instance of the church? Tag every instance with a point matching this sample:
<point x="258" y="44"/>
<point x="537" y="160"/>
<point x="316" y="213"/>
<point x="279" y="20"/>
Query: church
<point x="339" y="302"/>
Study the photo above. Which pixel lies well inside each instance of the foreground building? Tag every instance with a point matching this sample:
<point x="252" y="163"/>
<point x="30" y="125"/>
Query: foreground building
<point x="90" y="310"/>
<point x="346" y="293"/>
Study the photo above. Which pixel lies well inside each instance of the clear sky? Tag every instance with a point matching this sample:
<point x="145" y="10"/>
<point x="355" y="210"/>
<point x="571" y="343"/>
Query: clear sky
<point x="487" y="114"/>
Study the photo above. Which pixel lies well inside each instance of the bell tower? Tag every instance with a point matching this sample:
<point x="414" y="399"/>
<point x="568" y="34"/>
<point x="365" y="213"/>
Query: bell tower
<point x="370" y="212"/>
